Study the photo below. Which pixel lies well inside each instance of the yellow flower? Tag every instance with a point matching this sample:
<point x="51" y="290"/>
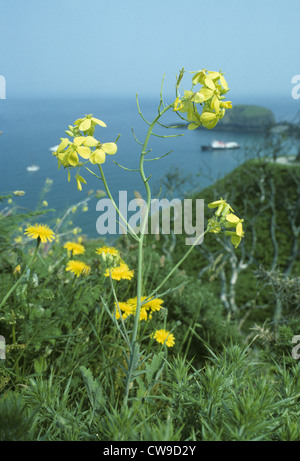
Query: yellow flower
<point x="210" y="97"/>
<point x="40" y="231"/>
<point x="79" y="180"/>
<point x="17" y="269"/>
<point x="107" y="250"/>
<point x="19" y="192"/>
<point x="18" y="239"/>
<point x="98" y="156"/>
<point x="226" y="104"/>
<point x="78" y="268"/>
<point x="126" y="308"/>
<point x="87" y="122"/>
<point x="45" y="203"/>
<point x="226" y="220"/>
<point x="163" y="336"/>
<point x="222" y="205"/>
<point x="155" y="304"/>
<point x="120" y="272"/>
<point x="75" y="248"/>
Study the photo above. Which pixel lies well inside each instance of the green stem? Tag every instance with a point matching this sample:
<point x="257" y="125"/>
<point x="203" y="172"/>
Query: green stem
<point x="140" y="248"/>
<point x="115" y="205"/>
<point x="21" y="276"/>
<point x="179" y="263"/>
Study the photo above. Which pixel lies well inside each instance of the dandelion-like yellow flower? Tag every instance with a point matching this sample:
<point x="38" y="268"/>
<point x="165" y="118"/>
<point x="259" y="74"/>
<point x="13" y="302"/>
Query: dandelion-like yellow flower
<point x="107" y="250"/>
<point x="155" y="304"/>
<point x="126" y="308"/>
<point x="163" y="336"/>
<point x="75" y="248"/>
<point x="40" y="231"/>
<point x="120" y="272"/>
<point x="78" y="267"/>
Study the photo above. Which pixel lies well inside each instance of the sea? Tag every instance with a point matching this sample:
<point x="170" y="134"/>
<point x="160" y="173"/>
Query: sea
<point x="31" y="127"/>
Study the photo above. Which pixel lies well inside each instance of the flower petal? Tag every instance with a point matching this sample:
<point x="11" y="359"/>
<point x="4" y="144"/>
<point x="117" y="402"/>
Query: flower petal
<point x="99" y="122"/>
<point x="84" y="152"/>
<point x="90" y="141"/>
<point x="98" y="156"/>
<point x="110" y="148"/>
<point x="85" y="125"/>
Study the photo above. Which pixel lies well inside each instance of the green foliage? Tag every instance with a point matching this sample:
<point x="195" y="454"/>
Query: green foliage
<point x="230" y="374"/>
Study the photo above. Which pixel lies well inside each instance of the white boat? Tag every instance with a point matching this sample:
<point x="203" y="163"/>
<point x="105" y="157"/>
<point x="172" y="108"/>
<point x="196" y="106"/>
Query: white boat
<point x="32" y="168"/>
<point x="219" y="145"/>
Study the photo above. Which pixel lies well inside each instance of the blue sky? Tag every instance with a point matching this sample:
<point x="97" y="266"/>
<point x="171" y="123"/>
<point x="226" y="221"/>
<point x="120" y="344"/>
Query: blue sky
<point x="100" y="47"/>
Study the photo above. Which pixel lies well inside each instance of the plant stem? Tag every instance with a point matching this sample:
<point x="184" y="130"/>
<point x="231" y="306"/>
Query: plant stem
<point x="115" y="205"/>
<point x="178" y="264"/>
<point x="140" y="249"/>
<point x="21" y="276"/>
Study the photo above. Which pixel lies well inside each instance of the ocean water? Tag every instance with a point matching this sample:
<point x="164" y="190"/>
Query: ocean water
<point x="32" y="126"/>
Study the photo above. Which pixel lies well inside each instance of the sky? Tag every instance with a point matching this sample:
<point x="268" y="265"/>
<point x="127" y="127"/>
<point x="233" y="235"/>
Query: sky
<point x="123" y="47"/>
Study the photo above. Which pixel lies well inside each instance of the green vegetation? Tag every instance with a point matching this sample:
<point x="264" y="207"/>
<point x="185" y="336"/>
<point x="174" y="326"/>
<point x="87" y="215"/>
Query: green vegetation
<point x="230" y="374"/>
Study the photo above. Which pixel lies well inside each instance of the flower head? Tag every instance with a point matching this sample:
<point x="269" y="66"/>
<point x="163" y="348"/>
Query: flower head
<point x="210" y="97"/>
<point x="17" y="269"/>
<point x="78" y="267"/>
<point x="224" y="219"/>
<point x="75" y="248"/>
<point x="88" y="122"/>
<point x="120" y="272"/>
<point x="126" y="308"/>
<point x="163" y="336"/>
<point x="107" y="250"/>
<point x="40" y="231"/>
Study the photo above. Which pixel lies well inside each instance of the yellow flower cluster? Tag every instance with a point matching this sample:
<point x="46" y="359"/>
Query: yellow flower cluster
<point x="83" y="145"/>
<point x="225" y="219"/>
<point x="76" y="267"/>
<point x="103" y="251"/>
<point x="129" y="307"/>
<point x="210" y="97"/>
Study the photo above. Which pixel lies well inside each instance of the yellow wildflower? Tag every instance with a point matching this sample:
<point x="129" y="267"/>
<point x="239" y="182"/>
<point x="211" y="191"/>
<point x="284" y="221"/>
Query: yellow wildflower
<point x="17" y="269"/>
<point x="163" y="336"/>
<point x="75" y="248"/>
<point x="78" y="268"/>
<point x="107" y="250"/>
<point x="120" y="272"/>
<point x="126" y="308"/>
<point x="87" y="122"/>
<point x="40" y="231"/>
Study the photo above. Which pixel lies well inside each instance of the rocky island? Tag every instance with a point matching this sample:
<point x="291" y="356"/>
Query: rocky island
<point x="247" y="118"/>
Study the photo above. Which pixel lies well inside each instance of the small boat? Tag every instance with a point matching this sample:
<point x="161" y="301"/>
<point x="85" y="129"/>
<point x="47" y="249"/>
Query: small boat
<point x="53" y="149"/>
<point x="219" y="145"/>
<point x="32" y="168"/>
